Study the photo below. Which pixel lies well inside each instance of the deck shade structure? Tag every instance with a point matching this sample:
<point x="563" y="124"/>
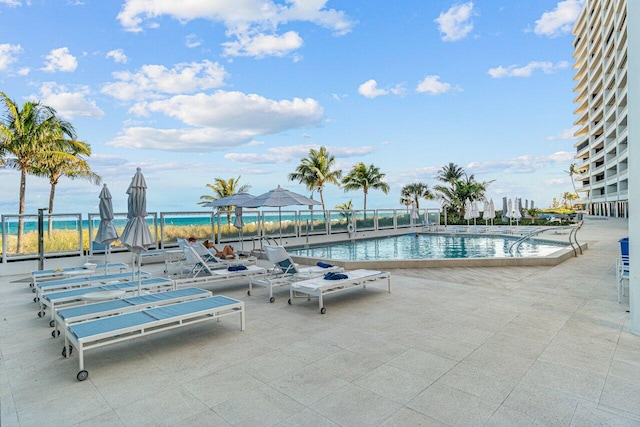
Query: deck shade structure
<point x="107" y="232"/>
<point x="278" y="198"/>
<point x="136" y="235"/>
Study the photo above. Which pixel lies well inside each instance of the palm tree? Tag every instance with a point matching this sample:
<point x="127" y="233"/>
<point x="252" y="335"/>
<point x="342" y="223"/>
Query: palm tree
<point x="363" y="178"/>
<point x="316" y="170"/>
<point x="415" y="192"/>
<point x="459" y="191"/>
<point x="572" y="171"/>
<point x="25" y="134"/>
<point x="224" y="188"/>
<point x="406" y="201"/>
<point x="450" y="173"/>
<point x="70" y="163"/>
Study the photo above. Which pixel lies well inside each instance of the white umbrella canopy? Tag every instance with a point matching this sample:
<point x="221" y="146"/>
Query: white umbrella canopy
<point x="489" y="212"/>
<point x="232" y="200"/>
<point x="475" y="211"/>
<point x="516" y="214"/>
<point x="107" y="232"/>
<point x="136" y="235"/>
<point x="277" y="198"/>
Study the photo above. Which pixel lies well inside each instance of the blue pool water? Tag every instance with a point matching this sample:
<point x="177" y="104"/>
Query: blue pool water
<point x="428" y="246"/>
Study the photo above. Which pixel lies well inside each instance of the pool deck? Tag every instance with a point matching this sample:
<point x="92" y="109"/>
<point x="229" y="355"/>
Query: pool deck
<point x="499" y="346"/>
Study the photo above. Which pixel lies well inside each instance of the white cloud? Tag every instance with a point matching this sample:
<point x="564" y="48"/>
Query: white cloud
<point x="192" y="41"/>
<point x="526" y="71"/>
<point x="560" y="20"/>
<point x="369" y="89"/>
<point x="218" y="121"/>
<point x="433" y="85"/>
<point x="455" y="24"/>
<point x="153" y="81"/>
<point x="522" y="164"/>
<point x="566" y="134"/>
<point x="253" y="23"/>
<point x="263" y="45"/>
<point x="117" y="55"/>
<point x="60" y="60"/>
<point x="69" y="104"/>
<point x="293" y="153"/>
<point x="8" y="54"/>
<point x="11" y="3"/>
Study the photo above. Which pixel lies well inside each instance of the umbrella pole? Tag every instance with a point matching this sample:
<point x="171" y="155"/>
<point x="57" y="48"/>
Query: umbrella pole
<point x="106" y="258"/>
<point x="133" y="266"/>
<point x="139" y="279"/>
<point x="280" y="222"/>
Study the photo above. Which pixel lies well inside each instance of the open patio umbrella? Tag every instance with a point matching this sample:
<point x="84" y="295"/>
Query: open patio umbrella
<point x="136" y="235"/>
<point x="277" y="198"/>
<point x="107" y="232"/>
<point x="233" y="200"/>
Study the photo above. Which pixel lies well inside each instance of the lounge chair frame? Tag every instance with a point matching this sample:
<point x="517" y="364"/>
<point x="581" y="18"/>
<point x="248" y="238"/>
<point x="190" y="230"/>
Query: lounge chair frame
<point x="319" y="287"/>
<point x="285" y="271"/>
<point x="82" y="313"/>
<point x="39" y="276"/>
<point x="122" y="327"/>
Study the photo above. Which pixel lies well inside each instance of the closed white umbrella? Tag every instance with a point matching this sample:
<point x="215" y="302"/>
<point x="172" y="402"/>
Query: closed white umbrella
<point x="107" y="232"/>
<point x="516" y="214"/>
<point x="475" y="211"/>
<point x="468" y="210"/>
<point x="509" y="210"/>
<point x="136" y="235"/>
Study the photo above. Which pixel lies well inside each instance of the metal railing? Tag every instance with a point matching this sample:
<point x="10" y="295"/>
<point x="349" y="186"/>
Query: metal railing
<point x="71" y="235"/>
<point x="573" y="237"/>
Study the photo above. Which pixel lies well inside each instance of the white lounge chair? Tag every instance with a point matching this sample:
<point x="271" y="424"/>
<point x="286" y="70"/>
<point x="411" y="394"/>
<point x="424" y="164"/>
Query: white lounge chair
<point x="81" y="313"/>
<point x="71" y="297"/>
<point x="319" y="286"/>
<point x="207" y="255"/>
<point x="109" y="330"/>
<point x="86" y="269"/>
<point x="43" y="288"/>
<point x="622" y="274"/>
<point x="198" y="265"/>
<point x="285" y="271"/>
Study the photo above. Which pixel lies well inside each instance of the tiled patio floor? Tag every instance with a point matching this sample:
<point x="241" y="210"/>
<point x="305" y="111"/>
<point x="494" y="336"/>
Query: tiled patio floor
<point x="468" y="346"/>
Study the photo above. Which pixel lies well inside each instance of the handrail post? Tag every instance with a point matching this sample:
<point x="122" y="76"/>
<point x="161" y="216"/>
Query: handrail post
<point x="41" y="238"/>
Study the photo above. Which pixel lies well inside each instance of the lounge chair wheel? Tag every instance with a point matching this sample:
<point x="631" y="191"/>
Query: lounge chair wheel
<point x="64" y="351"/>
<point x="36" y="299"/>
<point x="82" y="375"/>
<point x="40" y="313"/>
<point x="249" y="293"/>
<point x="31" y="285"/>
<point x="33" y="290"/>
<point x="323" y="310"/>
<point x="272" y="299"/>
<point x="55" y="334"/>
<point x="52" y="323"/>
<point x="289" y="301"/>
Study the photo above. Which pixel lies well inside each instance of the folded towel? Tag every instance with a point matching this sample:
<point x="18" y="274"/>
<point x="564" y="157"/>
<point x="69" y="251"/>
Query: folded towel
<point x="335" y="276"/>
<point x="324" y="264"/>
<point x="236" y="267"/>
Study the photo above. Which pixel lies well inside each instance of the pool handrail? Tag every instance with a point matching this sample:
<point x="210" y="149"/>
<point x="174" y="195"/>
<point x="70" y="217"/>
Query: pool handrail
<point x="572" y="237"/>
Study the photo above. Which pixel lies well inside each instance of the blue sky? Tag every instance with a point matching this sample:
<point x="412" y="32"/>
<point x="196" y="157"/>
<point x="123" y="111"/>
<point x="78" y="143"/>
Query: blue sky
<point x="193" y="90"/>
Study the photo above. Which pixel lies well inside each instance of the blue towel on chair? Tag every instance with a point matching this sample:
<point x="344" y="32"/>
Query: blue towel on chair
<point x="335" y="276"/>
<point x="236" y="267"/>
<point x="324" y="264"/>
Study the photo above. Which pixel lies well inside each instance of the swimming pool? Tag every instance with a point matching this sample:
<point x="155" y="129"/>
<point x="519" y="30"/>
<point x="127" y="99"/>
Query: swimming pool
<point x="429" y="247"/>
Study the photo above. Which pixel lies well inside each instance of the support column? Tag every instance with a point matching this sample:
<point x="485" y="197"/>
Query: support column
<point x="633" y="127"/>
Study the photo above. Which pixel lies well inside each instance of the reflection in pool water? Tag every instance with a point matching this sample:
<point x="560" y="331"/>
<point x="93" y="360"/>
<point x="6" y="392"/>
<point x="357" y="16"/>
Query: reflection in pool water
<point x="429" y="246"/>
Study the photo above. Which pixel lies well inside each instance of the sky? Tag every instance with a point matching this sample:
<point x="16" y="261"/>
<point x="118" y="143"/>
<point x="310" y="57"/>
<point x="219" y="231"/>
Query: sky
<point x="194" y="90"/>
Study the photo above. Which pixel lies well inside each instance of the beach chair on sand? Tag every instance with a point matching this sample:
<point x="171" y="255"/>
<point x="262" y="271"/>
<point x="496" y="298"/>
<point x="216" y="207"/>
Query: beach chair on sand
<point x="97" y="333"/>
<point x="285" y="271"/>
<point x="321" y="286"/>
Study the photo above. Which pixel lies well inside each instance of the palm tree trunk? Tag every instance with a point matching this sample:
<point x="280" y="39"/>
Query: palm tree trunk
<point x="52" y="194"/>
<point x="23" y="185"/>
<point x="365" y="204"/>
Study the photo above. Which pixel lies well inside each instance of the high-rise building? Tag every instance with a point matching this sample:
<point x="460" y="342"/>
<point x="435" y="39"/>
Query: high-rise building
<point x="600" y="52"/>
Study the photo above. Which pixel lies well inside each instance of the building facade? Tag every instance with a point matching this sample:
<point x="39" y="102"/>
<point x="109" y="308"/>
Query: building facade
<point x="600" y="52"/>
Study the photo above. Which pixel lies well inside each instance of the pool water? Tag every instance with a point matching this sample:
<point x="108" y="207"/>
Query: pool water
<point x="429" y="246"/>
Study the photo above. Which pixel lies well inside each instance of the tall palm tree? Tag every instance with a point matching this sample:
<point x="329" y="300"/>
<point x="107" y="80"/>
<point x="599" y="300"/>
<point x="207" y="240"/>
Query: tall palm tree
<point x="69" y="162"/>
<point x="455" y="194"/>
<point x="25" y="133"/>
<point x="450" y="173"/>
<point x="224" y="188"/>
<point x="364" y="178"/>
<point x="415" y="192"/>
<point x="316" y="171"/>
<point x="572" y="171"/>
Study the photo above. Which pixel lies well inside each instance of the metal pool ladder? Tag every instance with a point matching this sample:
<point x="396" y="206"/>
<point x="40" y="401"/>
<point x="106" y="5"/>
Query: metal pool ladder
<point x="573" y="239"/>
